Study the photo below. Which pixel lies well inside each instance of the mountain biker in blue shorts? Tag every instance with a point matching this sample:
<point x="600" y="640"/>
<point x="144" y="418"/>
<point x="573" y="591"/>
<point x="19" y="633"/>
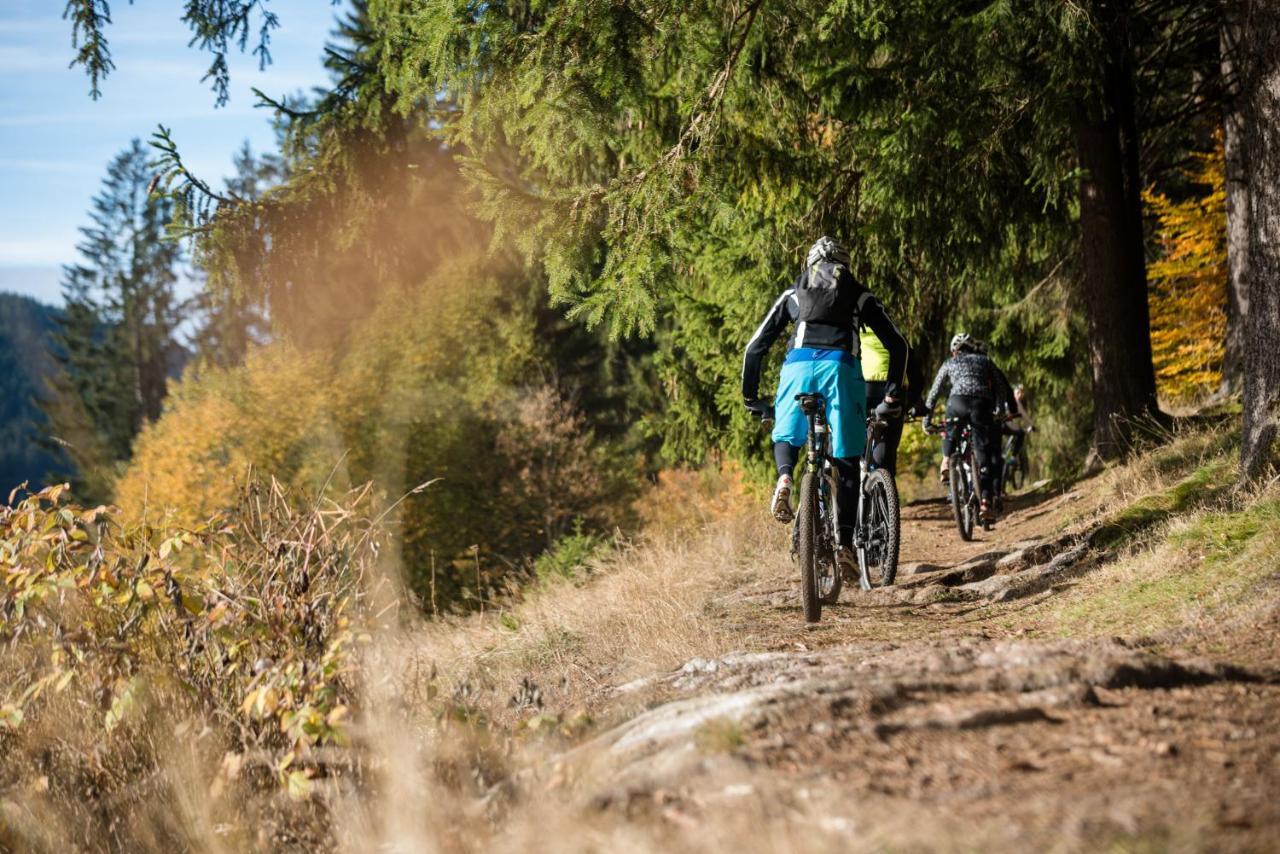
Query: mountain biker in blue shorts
<point x="826" y="305"/>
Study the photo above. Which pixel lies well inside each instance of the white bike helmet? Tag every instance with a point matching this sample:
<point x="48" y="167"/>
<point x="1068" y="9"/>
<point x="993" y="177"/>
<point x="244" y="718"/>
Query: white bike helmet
<point x="962" y="341"/>
<point x="827" y="249"/>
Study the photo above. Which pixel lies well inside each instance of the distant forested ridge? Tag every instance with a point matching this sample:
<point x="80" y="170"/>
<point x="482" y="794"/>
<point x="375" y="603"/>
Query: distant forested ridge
<point x="25" y="363"/>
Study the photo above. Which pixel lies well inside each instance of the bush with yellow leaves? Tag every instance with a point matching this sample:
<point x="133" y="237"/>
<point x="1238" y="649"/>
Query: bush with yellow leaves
<point x="239" y="635"/>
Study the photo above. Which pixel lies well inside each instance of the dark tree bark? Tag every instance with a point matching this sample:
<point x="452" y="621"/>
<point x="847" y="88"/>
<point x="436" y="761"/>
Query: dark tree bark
<point x="1115" y="273"/>
<point x="1261" y="88"/>
<point x="1237" y="192"/>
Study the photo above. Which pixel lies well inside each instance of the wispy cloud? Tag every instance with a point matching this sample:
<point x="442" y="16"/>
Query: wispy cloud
<point x="43" y="27"/>
<point x="37" y="252"/>
<point x="16" y="59"/>
<point x="61" y="167"/>
<point x="135" y="119"/>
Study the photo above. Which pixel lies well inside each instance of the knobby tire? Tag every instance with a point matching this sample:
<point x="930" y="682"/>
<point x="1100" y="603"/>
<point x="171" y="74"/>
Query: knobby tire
<point x="827" y="558"/>
<point x="961" y="503"/>
<point x="807" y="547"/>
<point x="883" y="513"/>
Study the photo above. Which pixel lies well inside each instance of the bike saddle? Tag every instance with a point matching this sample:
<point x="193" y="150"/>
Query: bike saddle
<point x="810" y="402"/>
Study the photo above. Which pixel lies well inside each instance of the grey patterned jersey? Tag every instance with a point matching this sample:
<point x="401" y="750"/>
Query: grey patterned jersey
<point x="968" y="374"/>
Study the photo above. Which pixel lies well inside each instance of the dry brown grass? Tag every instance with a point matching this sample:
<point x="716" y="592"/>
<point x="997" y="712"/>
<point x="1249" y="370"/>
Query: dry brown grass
<point x="463" y="707"/>
<point x="642" y="608"/>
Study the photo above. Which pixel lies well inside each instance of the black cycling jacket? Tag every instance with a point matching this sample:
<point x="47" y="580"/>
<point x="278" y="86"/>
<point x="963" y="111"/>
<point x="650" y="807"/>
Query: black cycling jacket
<point x="867" y="312"/>
<point x="969" y="375"/>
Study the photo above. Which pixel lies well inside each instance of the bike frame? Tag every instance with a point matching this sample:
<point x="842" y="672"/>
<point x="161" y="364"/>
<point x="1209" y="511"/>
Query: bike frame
<point x="968" y="459"/>
<point x="818" y="458"/>
<point x="818" y="455"/>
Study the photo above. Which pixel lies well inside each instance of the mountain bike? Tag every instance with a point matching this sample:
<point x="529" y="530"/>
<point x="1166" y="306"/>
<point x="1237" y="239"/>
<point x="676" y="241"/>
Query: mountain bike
<point x="962" y="480"/>
<point x="1014" y="470"/>
<point x="816" y="534"/>
<point x="879" y="530"/>
<point x="998" y="481"/>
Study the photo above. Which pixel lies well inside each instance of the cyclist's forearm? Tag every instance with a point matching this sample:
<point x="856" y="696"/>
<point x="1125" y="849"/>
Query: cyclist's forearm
<point x="936" y="388"/>
<point x="775" y="321"/>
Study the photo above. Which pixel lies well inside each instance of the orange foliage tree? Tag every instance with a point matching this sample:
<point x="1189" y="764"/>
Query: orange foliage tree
<point x="1187" y="291"/>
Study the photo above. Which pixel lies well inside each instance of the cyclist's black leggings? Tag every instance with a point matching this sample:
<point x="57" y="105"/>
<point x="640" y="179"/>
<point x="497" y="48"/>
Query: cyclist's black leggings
<point x="884" y="454"/>
<point x="977" y="411"/>
<point x="848" y="476"/>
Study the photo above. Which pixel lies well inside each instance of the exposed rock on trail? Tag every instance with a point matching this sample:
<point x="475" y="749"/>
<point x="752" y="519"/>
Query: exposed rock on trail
<point x="880" y="689"/>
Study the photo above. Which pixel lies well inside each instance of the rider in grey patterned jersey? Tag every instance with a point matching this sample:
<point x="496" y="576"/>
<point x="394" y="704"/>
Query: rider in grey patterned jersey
<point x="974" y="391"/>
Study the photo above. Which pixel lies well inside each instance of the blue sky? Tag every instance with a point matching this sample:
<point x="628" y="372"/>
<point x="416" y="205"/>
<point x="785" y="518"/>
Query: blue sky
<point x="55" y="141"/>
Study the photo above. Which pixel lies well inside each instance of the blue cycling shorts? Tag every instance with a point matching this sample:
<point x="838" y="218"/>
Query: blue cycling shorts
<point x="837" y="376"/>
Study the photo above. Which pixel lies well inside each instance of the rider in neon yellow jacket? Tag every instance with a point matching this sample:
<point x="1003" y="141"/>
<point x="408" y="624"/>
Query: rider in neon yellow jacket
<point x="875" y="370"/>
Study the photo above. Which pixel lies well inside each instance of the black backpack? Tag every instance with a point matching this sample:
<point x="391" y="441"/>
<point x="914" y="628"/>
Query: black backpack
<point x="828" y="295"/>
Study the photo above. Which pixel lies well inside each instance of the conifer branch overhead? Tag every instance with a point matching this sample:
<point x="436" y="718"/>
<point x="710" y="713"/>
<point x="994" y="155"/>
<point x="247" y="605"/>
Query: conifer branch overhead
<point x="89" y="19"/>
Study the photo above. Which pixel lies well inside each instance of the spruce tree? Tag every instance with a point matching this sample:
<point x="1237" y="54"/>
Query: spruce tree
<point x="117" y="339"/>
<point x="229" y="319"/>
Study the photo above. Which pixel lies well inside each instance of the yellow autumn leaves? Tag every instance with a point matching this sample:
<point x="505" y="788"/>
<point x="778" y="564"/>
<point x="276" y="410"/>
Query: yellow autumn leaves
<point x="1187" y="283"/>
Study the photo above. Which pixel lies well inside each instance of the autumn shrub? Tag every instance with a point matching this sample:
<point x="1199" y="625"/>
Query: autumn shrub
<point x="234" y="642"/>
<point x="448" y="383"/>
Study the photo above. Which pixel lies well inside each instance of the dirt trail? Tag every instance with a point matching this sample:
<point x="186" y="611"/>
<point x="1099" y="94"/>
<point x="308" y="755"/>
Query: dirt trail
<point x="934" y="715"/>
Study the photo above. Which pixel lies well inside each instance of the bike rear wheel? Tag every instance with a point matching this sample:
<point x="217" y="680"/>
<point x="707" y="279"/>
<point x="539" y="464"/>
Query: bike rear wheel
<point x="830" y="575"/>
<point x="881" y="529"/>
<point x="1020" y="470"/>
<point x="807" y="547"/>
<point x="961" y="498"/>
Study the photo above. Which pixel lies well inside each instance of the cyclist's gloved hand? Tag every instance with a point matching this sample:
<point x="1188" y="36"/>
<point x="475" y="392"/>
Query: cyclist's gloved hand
<point x="761" y="409"/>
<point x="889" y="411"/>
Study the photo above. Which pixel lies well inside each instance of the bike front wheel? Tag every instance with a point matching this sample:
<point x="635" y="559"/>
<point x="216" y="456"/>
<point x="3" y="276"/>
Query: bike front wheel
<point x="807" y="547"/>
<point x="961" y="498"/>
<point x="881" y="529"/>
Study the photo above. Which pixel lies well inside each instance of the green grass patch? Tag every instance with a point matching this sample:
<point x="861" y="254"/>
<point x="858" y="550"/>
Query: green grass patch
<point x="1202" y="486"/>
<point x="567" y="559"/>
<point x="1222" y="537"/>
<point x="1191" y="447"/>
<point x="1215" y="561"/>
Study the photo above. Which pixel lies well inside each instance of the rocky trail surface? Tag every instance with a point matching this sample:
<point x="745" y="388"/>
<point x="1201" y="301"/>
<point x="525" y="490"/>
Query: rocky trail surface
<point x="937" y="714"/>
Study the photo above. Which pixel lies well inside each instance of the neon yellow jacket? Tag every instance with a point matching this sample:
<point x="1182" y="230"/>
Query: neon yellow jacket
<point x="875" y="357"/>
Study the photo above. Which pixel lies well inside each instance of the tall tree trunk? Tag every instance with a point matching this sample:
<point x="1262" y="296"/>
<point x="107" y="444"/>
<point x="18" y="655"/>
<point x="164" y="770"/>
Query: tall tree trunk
<point x="1261" y="89"/>
<point x="1115" y="273"/>
<point x="1237" y="191"/>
